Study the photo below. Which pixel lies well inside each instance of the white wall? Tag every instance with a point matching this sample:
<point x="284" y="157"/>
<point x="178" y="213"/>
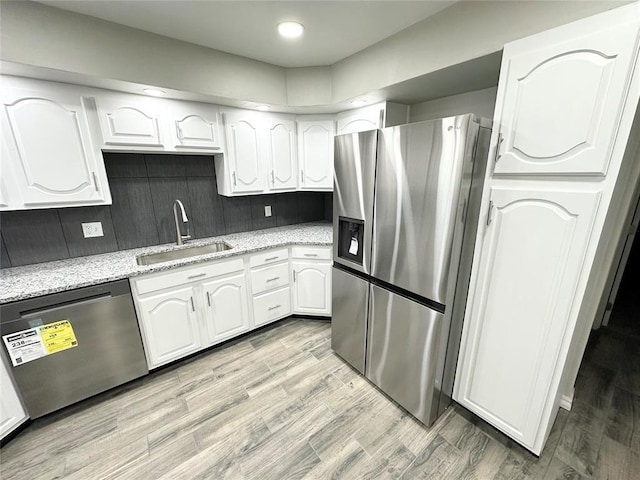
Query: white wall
<point x="39" y="35"/>
<point x="462" y="32"/>
<point x="480" y="102"/>
<point x="42" y="36"/>
<point x="309" y="86"/>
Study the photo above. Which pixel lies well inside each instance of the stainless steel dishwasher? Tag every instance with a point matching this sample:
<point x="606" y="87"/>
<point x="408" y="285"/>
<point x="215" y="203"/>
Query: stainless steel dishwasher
<point x="68" y="346"/>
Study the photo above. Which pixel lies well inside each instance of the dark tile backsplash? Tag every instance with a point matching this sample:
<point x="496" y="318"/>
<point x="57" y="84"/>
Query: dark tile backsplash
<point x="143" y="188"/>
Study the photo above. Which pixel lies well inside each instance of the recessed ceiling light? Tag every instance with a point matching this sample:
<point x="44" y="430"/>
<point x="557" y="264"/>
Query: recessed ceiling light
<point x="156" y="92"/>
<point x="263" y="108"/>
<point x="290" y="29"/>
<point x="358" y="103"/>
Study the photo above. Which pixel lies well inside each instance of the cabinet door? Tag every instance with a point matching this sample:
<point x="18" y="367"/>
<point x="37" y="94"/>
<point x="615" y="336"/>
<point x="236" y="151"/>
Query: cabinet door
<point x="194" y="126"/>
<point x="521" y="308"/>
<point x="130" y="120"/>
<point x="360" y="120"/>
<point x="560" y="97"/>
<point x="47" y="148"/>
<point x="315" y="147"/>
<point x="284" y="165"/>
<point x="227" y="308"/>
<point x="311" y="287"/>
<point x="169" y="325"/>
<point x="245" y="152"/>
<point x="12" y="414"/>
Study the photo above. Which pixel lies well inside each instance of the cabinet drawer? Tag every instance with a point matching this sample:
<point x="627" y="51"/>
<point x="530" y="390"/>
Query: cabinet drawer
<point x="272" y="256"/>
<point x="272" y="306"/>
<point x="311" y="253"/>
<point x="184" y="275"/>
<point x="268" y="278"/>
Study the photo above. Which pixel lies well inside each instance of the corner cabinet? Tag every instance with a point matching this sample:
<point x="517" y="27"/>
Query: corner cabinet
<point x="315" y="154"/>
<point x="47" y="150"/>
<point x="566" y="100"/>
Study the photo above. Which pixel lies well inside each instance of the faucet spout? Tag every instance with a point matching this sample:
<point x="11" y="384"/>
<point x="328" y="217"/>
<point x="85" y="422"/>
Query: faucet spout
<point x="177" y="205"/>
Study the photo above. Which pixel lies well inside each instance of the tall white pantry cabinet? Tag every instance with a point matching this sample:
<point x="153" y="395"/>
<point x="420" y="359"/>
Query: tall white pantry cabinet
<point x="565" y="105"/>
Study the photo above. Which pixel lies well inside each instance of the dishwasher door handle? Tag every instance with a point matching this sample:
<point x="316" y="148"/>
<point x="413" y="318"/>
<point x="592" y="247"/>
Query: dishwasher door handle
<point x="60" y="305"/>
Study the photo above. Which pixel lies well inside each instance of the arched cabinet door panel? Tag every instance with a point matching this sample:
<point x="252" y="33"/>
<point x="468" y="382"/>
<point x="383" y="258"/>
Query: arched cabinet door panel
<point x="559" y="105"/>
<point x="245" y="152"/>
<point x="169" y="325"/>
<point x="315" y="157"/>
<point x="48" y="151"/>
<point x="226" y="302"/>
<point x="131" y="121"/>
<point x="522" y="304"/>
<point x="311" y="287"/>
<point x="284" y="168"/>
<point x="194" y="126"/>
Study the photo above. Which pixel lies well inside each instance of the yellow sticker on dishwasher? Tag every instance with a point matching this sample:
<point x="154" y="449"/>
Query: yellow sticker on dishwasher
<point x="37" y="342"/>
<point x="58" y="336"/>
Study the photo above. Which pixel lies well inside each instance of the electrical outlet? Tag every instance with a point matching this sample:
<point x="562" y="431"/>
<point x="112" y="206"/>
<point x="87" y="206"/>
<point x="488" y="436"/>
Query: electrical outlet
<point x="92" y="229"/>
<point x="267" y="210"/>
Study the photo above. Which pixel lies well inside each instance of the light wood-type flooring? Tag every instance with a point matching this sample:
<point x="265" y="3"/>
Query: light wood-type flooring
<point x="278" y="404"/>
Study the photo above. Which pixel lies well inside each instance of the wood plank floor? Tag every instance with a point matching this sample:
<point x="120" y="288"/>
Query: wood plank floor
<point x="278" y="404"/>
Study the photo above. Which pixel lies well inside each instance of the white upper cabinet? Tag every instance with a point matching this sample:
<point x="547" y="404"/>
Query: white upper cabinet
<point x="194" y="126"/>
<point x="561" y="99"/>
<point x="260" y="154"/>
<point x="522" y="303"/>
<point x="246" y="154"/>
<point x="130" y="121"/>
<point x="380" y="115"/>
<point x="283" y="175"/>
<point x="315" y="154"/>
<point x="46" y="142"/>
<point x="227" y="308"/>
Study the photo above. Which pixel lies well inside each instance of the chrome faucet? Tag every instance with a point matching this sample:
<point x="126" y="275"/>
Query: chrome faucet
<point x="180" y="238"/>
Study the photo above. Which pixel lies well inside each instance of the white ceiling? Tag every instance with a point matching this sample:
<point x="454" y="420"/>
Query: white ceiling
<point x="333" y="29"/>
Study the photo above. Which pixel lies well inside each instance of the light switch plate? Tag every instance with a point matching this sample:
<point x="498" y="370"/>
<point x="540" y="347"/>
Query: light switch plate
<point x="267" y="210"/>
<point x="92" y="229"/>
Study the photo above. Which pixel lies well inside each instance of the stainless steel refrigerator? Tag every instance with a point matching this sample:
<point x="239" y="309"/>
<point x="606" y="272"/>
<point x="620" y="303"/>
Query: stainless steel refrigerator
<point x="406" y="206"/>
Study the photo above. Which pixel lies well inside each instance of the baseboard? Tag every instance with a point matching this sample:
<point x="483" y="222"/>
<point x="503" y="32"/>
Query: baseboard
<point x="566" y="401"/>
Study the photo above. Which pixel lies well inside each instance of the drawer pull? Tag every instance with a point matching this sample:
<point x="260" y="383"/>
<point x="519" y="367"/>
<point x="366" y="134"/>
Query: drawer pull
<point x="310" y="254"/>
<point x="273" y="279"/>
<point x="208" y="299"/>
<point x="270" y="259"/>
<point x="193" y="307"/>
<point x="274" y="308"/>
<point x="191" y="277"/>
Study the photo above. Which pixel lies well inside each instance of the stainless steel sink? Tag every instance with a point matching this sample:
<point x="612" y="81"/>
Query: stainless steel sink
<point x="160" y="257"/>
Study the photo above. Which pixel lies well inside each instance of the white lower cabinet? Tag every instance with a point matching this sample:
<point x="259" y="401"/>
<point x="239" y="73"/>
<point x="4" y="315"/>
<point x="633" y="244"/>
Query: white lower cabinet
<point x="12" y="414"/>
<point x="535" y="241"/>
<point x="311" y="288"/>
<point x="227" y="312"/>
<point x="270" y="286"/>
<point x="187" y="309"/>
<point x="272" y="306"/>
<point x="170" y="325"/>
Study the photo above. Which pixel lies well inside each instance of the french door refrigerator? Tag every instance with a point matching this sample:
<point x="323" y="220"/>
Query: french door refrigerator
<point x="406" y="207"/>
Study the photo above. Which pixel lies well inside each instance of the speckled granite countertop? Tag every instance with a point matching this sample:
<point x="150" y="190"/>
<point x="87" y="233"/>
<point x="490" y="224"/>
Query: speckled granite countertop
<point x="18" y="283"/>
